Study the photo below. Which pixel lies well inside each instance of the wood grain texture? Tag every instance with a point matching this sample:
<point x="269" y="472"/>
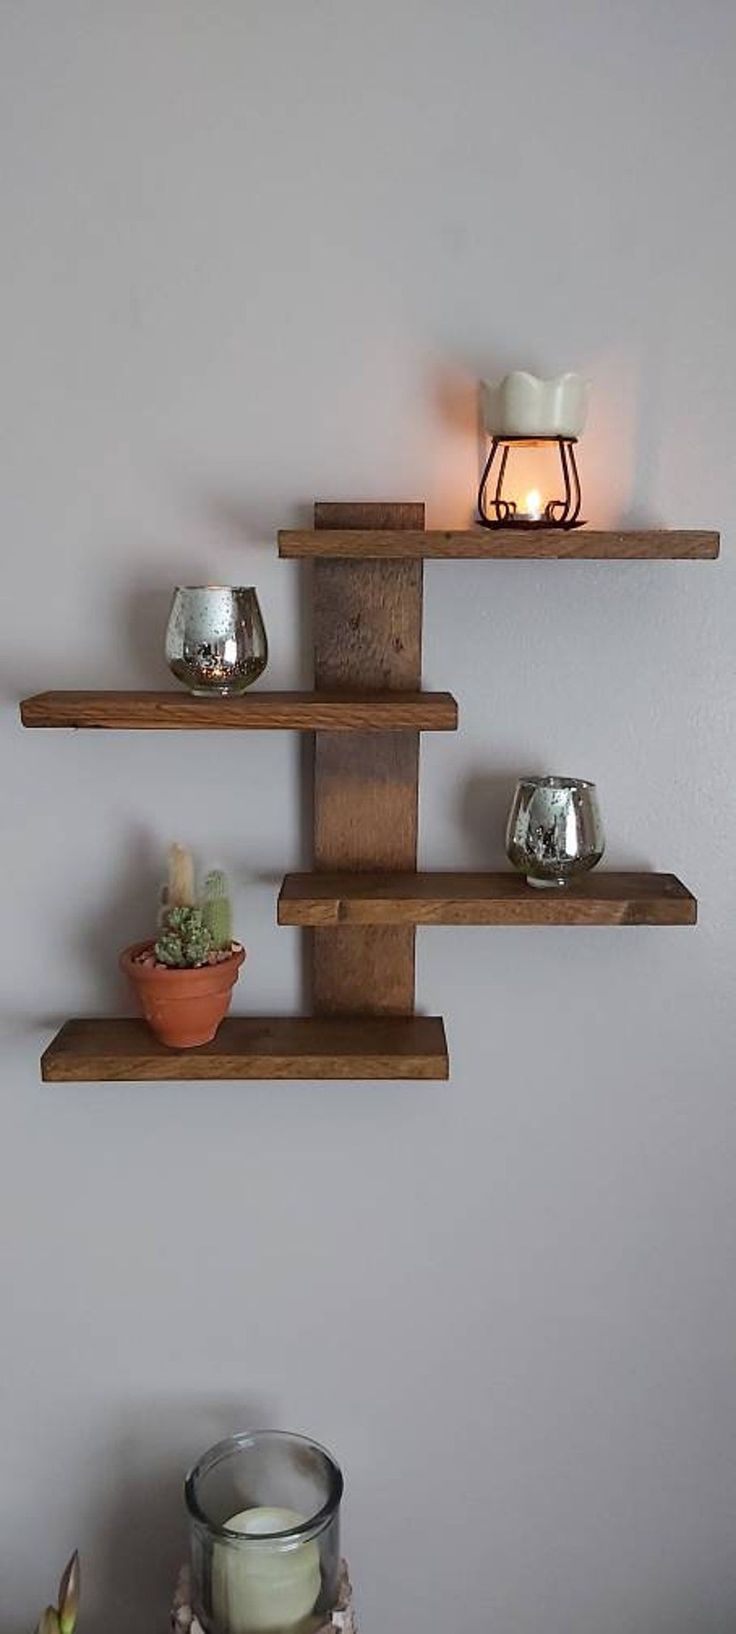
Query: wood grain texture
<point x="99" y="1050"/>
<point x="385" y="515"/>
<point x="367" y="632"/>
<point x="601" y="898"/>
<point x="339" y="710"/>
<point x="356" y="544"/>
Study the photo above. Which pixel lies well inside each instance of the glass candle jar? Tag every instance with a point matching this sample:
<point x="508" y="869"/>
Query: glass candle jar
<point x="264" y="1528"/>
<point x="215" y="638"/>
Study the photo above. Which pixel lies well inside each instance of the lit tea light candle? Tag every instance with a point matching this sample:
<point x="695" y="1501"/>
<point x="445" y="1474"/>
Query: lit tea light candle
<point x="264" y="1587"/>
<point x="533" y="505"/>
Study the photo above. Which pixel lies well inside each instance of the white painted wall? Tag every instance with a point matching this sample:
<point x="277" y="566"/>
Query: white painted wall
<point x="257" y="253"/>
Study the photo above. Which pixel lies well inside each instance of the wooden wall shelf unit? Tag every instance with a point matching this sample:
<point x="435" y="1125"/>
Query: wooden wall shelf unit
<point x="601" y="898"/>
<point x="365" y="899"/>
<point x="502" y="544"/>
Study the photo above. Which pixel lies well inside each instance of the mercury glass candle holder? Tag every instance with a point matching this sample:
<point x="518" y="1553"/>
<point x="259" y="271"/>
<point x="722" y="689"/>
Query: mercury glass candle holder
<point x="264" y="1531"/>
<point x="554" y="831"/>
<point x="215" y="638"/>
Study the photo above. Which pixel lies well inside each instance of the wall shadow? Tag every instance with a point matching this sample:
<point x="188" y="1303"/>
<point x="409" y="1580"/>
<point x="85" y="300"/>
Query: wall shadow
<point x="253" y="521"/>
<point x="483" y="805"/>
<point x="125" y="916"/>
<point x="137" y="1543"/>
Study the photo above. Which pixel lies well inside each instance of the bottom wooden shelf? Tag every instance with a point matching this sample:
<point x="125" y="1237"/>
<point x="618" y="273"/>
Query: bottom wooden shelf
<point x="98" y="1050"/>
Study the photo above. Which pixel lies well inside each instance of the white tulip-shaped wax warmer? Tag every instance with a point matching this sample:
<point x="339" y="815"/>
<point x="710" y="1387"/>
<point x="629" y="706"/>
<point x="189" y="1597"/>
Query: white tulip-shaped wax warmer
<point x="522" y="405"/>
<point x="523" y="411"/>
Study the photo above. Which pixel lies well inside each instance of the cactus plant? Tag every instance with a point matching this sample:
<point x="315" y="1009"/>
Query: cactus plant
<point x="189" y="933"/>
<point x="183" y="976"/>
<point x="193" y="928"/>
<point x="185" y="940"/>
<point x="216" y="910"/>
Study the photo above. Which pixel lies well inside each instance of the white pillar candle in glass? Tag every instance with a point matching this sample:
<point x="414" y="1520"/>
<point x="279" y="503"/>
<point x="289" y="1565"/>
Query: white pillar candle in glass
<point x="267" y="1587"/>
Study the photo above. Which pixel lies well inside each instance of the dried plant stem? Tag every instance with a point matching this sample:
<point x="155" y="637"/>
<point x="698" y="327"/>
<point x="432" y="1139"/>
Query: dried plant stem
<point x="181" y="892"/>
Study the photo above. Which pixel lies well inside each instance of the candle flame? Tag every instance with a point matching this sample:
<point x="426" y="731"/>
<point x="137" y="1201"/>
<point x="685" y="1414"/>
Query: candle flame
<point x="533" y="504"/>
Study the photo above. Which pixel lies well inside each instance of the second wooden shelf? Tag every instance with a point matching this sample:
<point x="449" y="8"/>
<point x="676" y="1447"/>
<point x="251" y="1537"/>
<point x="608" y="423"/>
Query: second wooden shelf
<point x="599" y="898"/>
<point x="349" y="711"/>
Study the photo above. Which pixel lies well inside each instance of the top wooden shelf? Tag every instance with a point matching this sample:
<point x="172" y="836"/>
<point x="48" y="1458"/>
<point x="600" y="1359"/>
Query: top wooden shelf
<point x="254" y="711"/>
<point x="498" y="544"/>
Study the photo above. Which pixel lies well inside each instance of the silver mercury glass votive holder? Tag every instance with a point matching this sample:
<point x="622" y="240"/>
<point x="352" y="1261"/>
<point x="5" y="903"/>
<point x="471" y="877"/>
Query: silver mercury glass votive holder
<point x="215" y="638"/>
<point x="554" y="831"/>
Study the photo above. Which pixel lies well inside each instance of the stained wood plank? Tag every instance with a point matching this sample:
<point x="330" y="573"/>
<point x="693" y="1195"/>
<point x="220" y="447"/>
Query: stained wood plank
<point x="600" y="898"/>
<point x="388" y="515"/>
<point x="337" y="710"/>
<point x="367" y="632"/>
<point x="356" y="544"/>
<point x="125" y="1050"/>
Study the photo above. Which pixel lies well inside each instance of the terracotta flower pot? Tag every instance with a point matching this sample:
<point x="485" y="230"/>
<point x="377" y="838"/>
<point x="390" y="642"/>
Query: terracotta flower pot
<point x="183" y="1008"/>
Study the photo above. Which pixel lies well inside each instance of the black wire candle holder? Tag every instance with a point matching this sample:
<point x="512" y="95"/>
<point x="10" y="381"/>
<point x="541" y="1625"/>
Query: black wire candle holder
<point x="496" y="512"/>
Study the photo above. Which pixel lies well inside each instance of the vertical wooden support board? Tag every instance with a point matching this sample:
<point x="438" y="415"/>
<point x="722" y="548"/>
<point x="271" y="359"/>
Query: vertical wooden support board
<point x="367" y="633"/>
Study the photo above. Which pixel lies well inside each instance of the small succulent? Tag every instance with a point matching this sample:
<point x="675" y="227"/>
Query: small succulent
<point x="62" y="1618"/>
<point x="185" y="940"/>
<point x="192" y="929"/>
